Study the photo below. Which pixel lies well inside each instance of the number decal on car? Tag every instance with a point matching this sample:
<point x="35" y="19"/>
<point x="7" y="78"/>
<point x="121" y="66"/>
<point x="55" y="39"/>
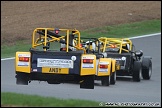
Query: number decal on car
<point x="55" y="70"/>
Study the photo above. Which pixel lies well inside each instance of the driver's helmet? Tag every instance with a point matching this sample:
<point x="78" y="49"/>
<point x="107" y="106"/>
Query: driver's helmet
<point x="56" y="30"/>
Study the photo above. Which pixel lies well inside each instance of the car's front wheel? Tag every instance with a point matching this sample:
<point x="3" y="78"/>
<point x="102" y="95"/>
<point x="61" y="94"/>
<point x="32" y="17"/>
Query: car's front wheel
<point x="137" y="71"/>
<point x="146" y="68"/>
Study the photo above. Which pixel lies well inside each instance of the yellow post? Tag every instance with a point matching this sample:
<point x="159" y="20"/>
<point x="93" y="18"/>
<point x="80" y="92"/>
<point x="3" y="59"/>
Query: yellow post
<point x="130" y="45"/>
<point x="120" y="47"/>
<point x="78" y="38"/>
<point x="45" y="40"/>
<point x="104" y="45"/>
<point x="67" y="41"/>
<point x="33" y="38"/>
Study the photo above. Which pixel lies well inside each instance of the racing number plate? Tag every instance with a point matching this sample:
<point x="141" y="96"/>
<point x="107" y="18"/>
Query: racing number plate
<point x="55" y="70"/>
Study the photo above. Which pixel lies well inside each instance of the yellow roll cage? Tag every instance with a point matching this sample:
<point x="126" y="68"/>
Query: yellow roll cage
<point x="54" y="39"/>
<point x="119" y="42"/>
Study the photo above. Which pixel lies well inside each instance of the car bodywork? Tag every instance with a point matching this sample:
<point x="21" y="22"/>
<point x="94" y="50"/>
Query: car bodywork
<point x="106" y="68"/>
<point x="56" y="57"/>
<point x="132" y="62"/>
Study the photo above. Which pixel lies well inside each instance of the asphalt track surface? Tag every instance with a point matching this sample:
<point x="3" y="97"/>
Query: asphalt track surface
<point x="125" y="90"/>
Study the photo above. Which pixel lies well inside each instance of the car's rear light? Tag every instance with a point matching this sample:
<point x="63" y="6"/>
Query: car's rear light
<point x="113" y="46"/>
<point x="103" y="66"/>
<point x="56" y="31"/>
<point x="87" y="60"/>
<point x="80" y="46"/>
<point x="24" y="59"/>
<point x="64" y="49"/>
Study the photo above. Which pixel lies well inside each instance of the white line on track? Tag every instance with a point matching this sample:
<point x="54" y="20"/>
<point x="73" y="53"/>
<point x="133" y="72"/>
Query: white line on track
<point x="129" y="38"/>
<point x="145" y="36"/>
<point x="7" y="58"/>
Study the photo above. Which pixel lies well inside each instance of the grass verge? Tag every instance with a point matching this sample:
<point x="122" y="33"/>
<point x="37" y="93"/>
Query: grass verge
<point x="15" y="99"/>
<point x="125" y="30"/>
<point x="120" y="31"/>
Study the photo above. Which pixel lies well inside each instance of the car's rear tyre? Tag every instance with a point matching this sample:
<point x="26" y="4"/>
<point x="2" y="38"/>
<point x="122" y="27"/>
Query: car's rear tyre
<point x="21" y="79"/>
<point x="137" y="71"/>
<point x="146" y="68"/>
<point x="105" y="81"/>
<point x="113" y="78"/>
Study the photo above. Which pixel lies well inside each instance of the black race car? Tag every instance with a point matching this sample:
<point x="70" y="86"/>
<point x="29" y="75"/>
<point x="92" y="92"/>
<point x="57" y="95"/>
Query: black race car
<point x="132" y="62"/>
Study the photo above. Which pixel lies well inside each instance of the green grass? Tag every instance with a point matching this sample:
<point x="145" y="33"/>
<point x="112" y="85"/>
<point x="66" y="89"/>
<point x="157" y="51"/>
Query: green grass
<point x="124" y="31"/>
<point x="10" y="51"/>
<point x="8" y="98"/>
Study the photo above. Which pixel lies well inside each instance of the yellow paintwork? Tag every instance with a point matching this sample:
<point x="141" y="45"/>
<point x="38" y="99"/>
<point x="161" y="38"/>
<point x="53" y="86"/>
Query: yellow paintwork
<point x="59" y="71"/>
<point x="117" y="66"/>
<point x="113" y="61"/>
<point x="88" y="71"/>
<point x="24" y="69"/>
<point x="105" y="60"/>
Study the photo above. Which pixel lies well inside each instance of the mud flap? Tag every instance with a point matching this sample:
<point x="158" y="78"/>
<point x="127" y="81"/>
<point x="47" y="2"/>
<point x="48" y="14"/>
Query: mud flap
<point x="87" y="82"/>
<point x="105" y="81"/>
<point x="22" y="79"/>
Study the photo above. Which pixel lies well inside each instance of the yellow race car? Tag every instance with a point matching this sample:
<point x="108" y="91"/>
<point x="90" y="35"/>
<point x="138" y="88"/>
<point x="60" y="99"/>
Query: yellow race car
<point x="132" y="62"/>
<point x="56" y="56"/>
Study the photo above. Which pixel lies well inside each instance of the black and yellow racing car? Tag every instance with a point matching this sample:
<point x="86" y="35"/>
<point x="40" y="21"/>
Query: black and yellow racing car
<point x="57" y="56"/>
<point x="132" y="62"/>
